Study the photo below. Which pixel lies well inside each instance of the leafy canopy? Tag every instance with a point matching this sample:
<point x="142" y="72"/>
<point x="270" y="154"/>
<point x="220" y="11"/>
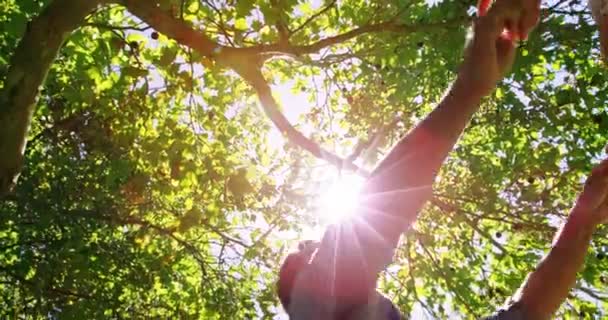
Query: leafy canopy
<point x="155" y="183"/>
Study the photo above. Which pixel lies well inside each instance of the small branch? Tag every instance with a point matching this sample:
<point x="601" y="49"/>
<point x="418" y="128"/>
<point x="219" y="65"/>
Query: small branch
<point x="111" y="27"/>
<point x="278" y="49"/>
<point x="50" y="289"/>
<point x="593" y="294"/>
<point x="557" y="4"/>
<point x="517" y="218"/>
<point x="225" y="236"/>
<point x="389" y="26"/>
<point x="313" y="17"/>
<point x="447" y="208"/>
<point x="273" y="225"/>
<point x="570" y="12"/>
<point x="271" y="108"/>
<point x="447" y="279"/>
<point x="221" y="24"/>
<point x="281" y="24"/>
<point x="373" y="141"/>
<point x="410" y="274"/>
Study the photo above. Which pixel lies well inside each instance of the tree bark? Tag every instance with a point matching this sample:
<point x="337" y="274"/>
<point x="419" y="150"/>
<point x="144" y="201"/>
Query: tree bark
<point x="46" y="34"/>
<point x="29" y="66"/>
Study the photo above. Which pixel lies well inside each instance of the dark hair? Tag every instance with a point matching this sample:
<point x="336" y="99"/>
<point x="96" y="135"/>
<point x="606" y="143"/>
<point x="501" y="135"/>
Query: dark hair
<point x="291" y="267"/>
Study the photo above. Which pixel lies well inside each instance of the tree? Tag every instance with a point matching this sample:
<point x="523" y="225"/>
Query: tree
<point x="149" y="185"/>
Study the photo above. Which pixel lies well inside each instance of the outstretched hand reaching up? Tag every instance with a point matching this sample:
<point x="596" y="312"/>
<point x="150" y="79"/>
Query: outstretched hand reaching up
<point x="491" y="52"/>
<point x="593" y="201"/>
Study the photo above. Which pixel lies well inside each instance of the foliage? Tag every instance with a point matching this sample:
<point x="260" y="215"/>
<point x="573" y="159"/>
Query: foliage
<point x="151" y="186"/>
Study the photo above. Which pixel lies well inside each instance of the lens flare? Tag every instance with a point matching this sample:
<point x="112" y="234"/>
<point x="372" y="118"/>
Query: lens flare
<point x="339" y="200"/>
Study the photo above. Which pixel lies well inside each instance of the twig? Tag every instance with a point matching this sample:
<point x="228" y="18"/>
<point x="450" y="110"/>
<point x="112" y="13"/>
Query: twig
<point x="593" y="294"/>
<point x="446" y="208"/>
<point x="313" y="17"/>
<point x="271" y="108"/>
<point x="373" y="141"/>
<point x="111" y="27"/>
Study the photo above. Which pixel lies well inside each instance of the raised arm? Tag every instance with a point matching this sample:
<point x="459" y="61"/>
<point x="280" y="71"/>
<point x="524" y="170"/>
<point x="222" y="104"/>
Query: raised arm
<point x="547" y="287"/>
<point x="415" y="160"/>
<point x="355" y="251"/>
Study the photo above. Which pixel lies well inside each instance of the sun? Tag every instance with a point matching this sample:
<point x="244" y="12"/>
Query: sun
<point x="338" y="200"/>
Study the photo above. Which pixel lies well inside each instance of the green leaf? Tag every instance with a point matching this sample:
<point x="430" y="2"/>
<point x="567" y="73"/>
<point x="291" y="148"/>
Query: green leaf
<point x="193" y="7"/>
<point x="240" y="24"/>
<point x="243" y="7"/>
<point x="135" y="72"/>
<point x="167" y="56"/>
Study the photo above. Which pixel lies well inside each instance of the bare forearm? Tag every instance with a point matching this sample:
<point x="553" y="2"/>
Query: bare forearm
<point x="415" y="160"/>
<point x="548" y="286"/>
<point x="391" y="195"/>
<point x="402" y="183"/>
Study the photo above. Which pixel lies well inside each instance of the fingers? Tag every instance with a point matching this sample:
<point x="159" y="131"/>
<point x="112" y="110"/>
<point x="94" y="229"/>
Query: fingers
<point x="601" y="169"/>
<point x="518" y="17"/>
<point x="529" y="18"/>
<point x="505" y="50"/>
<point x="483" y="6"/>
<point x="594" y="198"/>
<point x="597" y="182"/>
<point x="504" y="14"/>
<point x="595" y="189"/>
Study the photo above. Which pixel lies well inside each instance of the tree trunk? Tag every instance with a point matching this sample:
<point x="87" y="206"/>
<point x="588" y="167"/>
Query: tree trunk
<point x="29" y="66"/>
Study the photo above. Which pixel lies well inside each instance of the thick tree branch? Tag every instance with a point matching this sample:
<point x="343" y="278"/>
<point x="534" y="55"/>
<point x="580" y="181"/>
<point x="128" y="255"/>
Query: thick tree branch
<point x="29" y="66"/>
<point x="45" y="35"/>
<point x="183" y="33"/>
<point x="247" y="61"/>
<point x="175" y="28"/>
<point x="388" y="26"/>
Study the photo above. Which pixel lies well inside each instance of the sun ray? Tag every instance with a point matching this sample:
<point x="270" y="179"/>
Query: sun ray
<point x="340" y="199"/>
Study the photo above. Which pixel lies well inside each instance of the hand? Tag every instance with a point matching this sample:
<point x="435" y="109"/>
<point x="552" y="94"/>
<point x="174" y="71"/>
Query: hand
<point x="593" y="201"/>
<point x="491" y="53"/>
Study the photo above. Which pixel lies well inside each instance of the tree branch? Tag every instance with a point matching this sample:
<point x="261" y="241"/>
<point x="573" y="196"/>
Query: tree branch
<point x="174" y="28"/>
<point x="592" y="293"/>
<point x="111" y="27"/>
<point x="388" y="26"/>
<point x="271" y="108"/>
<point x="313" y="17"/>
<point x="45" y="35"/>
<point x="373" y="140"/>
<point x="447" y="208"/>
<point x="29" y="66"/>
<point x="245" y="61"/>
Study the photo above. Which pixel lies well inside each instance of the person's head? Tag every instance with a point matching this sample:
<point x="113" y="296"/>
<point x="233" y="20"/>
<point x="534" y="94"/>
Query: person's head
<point x="291" y="267"/>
